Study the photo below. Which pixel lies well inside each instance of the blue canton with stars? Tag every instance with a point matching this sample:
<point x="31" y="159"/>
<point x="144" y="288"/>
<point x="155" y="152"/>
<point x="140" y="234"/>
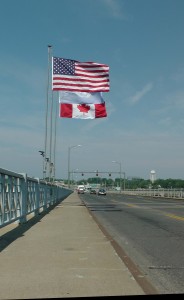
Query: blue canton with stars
<point x="63" y="66"/>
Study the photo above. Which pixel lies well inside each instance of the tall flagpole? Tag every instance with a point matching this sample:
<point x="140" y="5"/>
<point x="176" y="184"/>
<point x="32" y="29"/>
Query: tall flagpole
<point x="50" y="152"/>
<point x="46" y="114"/>
<point x="55" y="127"/>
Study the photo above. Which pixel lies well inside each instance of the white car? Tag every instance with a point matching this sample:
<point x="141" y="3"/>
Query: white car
<point x="80" y="190"/>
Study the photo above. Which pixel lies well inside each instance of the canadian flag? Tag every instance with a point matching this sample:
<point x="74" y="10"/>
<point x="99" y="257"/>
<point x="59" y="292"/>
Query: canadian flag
<point x="82" y="111"/>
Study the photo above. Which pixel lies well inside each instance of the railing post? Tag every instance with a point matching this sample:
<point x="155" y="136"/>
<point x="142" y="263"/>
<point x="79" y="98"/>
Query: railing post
<point x="23" y="218"/>
<point x="37" y="197"/>
<point x="45" y="197"/>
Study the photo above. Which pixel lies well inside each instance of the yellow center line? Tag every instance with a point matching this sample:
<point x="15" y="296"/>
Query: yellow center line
<point x="131" y="205"/>
<point x="175" y="217"/>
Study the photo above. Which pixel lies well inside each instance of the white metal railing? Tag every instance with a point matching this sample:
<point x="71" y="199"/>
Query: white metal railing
<point x="21" y="195"/>
<point x="165" y="193"/>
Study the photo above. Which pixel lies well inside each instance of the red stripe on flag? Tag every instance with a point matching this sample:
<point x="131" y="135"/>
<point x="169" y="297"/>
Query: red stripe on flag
<point x="96" y="90"/>
<point x="100" y="110"/>
<point x="65" y="110"/>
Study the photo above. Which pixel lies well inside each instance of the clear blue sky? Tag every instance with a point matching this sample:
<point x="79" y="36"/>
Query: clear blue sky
<point x="141" y="41"/>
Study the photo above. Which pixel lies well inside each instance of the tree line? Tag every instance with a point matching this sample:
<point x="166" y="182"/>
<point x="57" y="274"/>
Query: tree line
<point x="132" y="183"/>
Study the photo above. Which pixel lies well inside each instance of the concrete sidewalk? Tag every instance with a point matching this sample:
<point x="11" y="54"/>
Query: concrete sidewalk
<point x="65" y="254"/>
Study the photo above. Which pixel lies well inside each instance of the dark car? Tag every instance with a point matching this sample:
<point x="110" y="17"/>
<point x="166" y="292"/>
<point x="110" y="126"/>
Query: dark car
<point x="102" y="192"/>
<point x="92" y="191"/>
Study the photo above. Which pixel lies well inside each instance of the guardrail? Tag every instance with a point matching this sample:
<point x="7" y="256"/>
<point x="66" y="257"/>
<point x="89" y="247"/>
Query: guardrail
<point x="165" y="193"/>
<point x="21" y="195"/>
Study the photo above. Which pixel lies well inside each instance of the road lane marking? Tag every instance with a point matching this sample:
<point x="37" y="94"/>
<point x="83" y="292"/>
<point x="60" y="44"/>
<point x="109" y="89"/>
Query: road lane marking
<point x="175" y="217"/>
<point x="131" y="205"/>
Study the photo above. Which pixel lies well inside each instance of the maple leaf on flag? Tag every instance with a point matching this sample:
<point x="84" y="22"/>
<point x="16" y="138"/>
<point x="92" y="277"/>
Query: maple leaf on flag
<point x="83" y="108"/>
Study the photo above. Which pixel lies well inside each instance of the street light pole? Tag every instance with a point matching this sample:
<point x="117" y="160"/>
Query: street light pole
<point x="42" y="153"/>
<point x="69" y="150"/>
<point x="119" y="163"/>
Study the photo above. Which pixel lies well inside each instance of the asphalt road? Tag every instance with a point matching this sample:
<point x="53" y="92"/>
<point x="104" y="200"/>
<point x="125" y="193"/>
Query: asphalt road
<point x="150" y="231"/>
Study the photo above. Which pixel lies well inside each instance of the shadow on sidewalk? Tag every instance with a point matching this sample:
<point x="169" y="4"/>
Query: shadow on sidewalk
<point x="18" y="232"/>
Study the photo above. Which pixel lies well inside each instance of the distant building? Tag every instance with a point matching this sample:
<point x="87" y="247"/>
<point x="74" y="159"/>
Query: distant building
<point x="152" y="176"/>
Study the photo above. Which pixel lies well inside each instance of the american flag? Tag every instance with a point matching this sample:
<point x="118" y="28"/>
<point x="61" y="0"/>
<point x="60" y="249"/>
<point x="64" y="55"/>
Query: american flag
<point x="74" y="76"/>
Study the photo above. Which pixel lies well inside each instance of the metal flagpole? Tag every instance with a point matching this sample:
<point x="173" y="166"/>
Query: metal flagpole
<point x="50" y="152"/>
<point x="46" y="114"/>
<point x="55" y="127"/>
